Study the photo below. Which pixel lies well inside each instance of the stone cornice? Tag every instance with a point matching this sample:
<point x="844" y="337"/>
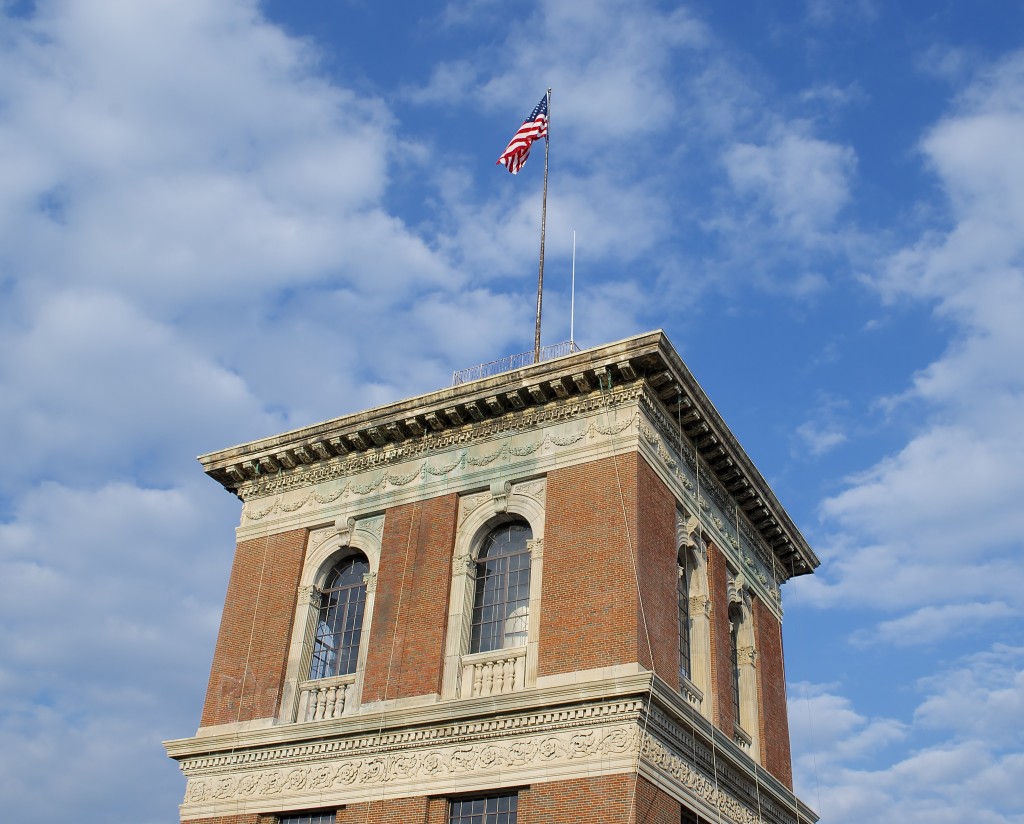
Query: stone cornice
<point x="548" y="391"/>
<point x="613" y="725"/>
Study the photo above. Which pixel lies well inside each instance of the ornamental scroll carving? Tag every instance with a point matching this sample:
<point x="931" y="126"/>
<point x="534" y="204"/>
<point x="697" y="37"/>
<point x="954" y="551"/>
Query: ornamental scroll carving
<point x="424" y="765"/>
<point x="658" y="755"/>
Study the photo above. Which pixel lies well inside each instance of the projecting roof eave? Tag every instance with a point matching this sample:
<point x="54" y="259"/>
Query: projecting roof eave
<point x="650" y="357"/>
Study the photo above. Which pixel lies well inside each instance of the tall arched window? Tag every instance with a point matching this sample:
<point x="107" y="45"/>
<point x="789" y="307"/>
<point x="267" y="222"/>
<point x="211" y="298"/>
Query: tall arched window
<point x="501" y="604"/>
<point x="735" y="616"/>
<point x="683" y="595"/>
<point x="340" y="619"/>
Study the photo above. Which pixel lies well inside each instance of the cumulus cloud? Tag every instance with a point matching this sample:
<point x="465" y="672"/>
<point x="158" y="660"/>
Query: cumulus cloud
<point x="193" y="223"/>
<point x="801" y="180"/>
<point x="930" y="625"/>
<point x="106" y="595"/>
<point x="940" y="519"/>
<point x="964" y="742"/>
<point x="820" y="439"/>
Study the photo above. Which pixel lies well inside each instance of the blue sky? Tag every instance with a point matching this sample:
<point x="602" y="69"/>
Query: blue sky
<point x="220" y="219"/>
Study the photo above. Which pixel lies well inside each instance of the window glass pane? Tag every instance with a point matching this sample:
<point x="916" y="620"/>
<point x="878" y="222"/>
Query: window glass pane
<point x="502" y="597"/>
<point x="499" y="809"/>
<point x="340" y="620"/>
<point x="684" y="623"/>
<point x="734" y="626"/>
<point x="309" y="818"/>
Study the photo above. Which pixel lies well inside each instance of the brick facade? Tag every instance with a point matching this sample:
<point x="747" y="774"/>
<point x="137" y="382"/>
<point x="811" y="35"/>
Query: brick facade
<point x="416" y="810"/>
<point x="411" y="600"/>
<point x="589" y="600"/>
<point x="618" y="799"/>
<point x="568" y="715"/>
<point x="597" y="800"/>
<point x="658" y="622"/>
<point x="771" y="695"/>
<point x="252" y="646"/>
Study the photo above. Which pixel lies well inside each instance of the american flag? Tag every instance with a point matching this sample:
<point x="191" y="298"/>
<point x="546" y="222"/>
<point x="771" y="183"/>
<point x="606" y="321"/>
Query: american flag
<point x="534" y="128"/>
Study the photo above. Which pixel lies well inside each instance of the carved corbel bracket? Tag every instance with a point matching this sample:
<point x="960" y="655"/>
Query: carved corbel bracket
<point x="688" y="537"/>
<point x="345" y="527"/>
<point x="739" y="592"/>
<point x="500" y="490"/>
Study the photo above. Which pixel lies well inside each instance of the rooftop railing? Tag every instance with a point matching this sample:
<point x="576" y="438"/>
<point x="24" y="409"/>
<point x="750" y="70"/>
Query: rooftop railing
<point x="510" y="362"/>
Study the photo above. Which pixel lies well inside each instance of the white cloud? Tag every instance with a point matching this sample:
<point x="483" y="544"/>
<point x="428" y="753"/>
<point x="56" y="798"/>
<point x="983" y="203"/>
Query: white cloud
<point x="106" y="596"/>
<point x="960" y="758"/>
<point x="226" y="176"/>
<point x="820" y="439"/>
<point x="940" y="520"/>
<point x="930" y="625"/>
<point x="825" y="13"/>
<point x="991" y="685"/>
<point x="94" y="384"/>
<point x="801" y="180"/>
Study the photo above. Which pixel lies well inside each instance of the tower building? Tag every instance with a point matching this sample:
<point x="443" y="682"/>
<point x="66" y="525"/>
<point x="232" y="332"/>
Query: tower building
<point x="549" y="594"/>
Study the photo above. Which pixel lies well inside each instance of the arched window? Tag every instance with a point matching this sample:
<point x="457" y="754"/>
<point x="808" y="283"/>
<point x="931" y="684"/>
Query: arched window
<point x="340" y="619"/>
<point x="735" y="617"/>
<point x="744" y="666"/>
<point x="694" y="614"/>
<point x="501" y="604"/>
<point x="683" y="595"/>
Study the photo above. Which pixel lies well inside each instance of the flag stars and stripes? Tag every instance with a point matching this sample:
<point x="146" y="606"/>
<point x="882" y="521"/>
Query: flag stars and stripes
<point x="534" y="128"/>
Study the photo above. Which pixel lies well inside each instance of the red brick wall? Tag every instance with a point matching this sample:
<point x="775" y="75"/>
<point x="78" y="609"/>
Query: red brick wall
<point x="588" y="617"/>
<point x="655" y="806"/>
<point x="598" y="800"/>
<point x="411" y="604"/>
<point x="266" y="570"/>
<point x="771" y="695"/>
<point x="656" y="567"/>
<point x="591" y="615"/>
<point x="721" y="657"/>
<point x="418" y="810"/>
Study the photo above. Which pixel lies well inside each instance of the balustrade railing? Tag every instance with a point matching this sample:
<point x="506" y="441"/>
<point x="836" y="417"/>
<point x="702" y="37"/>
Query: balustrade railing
<point x="493" y="673"/>
<point x="325" y="698"/>
<point x="690" y="692"/>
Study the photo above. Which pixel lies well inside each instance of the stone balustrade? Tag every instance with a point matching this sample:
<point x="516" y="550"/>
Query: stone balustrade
<point x="690" y="692"/>
<point x="493" y="673"/>
<point x="742" y="738"/>
<point x="325" y="698"/>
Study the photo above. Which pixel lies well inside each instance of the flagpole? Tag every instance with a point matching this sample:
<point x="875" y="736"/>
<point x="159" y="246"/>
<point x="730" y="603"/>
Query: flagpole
<point x="543" y="228"/>
<point x="572" y="294"/>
